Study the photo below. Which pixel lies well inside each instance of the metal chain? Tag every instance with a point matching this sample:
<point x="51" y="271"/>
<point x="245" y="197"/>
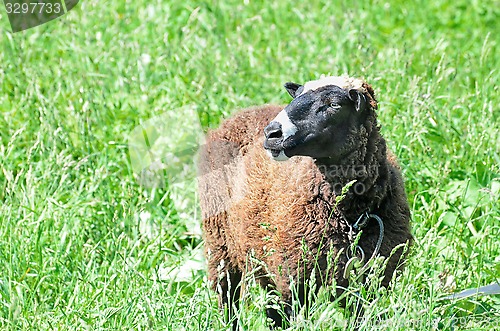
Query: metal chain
<point x="361" y="222"/>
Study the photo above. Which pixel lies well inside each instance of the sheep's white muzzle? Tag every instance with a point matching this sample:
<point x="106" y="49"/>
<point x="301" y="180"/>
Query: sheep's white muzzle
<point x="288" y="128"/>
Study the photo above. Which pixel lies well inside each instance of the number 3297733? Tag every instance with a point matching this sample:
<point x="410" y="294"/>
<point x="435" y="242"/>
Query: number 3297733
<point x="33" y="8"/>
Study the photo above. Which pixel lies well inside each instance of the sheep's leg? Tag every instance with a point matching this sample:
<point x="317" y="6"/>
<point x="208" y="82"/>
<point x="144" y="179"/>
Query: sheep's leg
<point x="229" y="295"/>
<point x="279" y="318"/>
<point x="225" y="280"/>
<point x="275" y="316"/>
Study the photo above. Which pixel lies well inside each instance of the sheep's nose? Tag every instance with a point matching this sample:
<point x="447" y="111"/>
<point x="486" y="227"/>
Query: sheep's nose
<point x="273" y="131"/>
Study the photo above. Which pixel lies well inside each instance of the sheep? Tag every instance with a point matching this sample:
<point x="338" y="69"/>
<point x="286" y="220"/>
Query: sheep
<point x="269" y="183"/>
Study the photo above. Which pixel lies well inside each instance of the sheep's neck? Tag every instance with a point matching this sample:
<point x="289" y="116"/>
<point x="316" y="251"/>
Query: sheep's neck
<point x="365" y="164"/>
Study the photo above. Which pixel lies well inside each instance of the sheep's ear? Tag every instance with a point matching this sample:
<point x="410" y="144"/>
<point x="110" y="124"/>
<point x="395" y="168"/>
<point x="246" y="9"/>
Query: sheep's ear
<point x="358" y="98"/>
<point x="294" y="89"/>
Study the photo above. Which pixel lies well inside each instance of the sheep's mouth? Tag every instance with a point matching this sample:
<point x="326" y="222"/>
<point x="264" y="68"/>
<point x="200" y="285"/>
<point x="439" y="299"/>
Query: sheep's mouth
<point x="275" y="152"/>
<point x="283" y="149"/>
<point x="275" y="149"/>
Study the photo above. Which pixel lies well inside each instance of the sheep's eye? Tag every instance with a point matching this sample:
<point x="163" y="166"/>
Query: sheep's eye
<point x="328" y="107"/>
<point x="334" y="106"/>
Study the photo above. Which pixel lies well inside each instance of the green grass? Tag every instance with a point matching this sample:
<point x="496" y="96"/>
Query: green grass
<point x="84" y="246"/>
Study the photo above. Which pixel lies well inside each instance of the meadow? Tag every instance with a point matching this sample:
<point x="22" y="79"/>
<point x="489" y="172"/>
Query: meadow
<point x="86" y="245"/>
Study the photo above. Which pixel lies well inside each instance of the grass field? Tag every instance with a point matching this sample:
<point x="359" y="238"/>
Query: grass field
<point x="85" y="245"/>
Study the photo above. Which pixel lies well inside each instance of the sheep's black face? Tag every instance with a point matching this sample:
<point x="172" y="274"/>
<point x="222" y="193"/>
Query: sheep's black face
<point x="316" y="123"/>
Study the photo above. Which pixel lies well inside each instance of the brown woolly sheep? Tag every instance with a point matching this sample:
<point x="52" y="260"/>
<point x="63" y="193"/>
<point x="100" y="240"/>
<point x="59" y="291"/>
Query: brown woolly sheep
<point x="284" y="214"/>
